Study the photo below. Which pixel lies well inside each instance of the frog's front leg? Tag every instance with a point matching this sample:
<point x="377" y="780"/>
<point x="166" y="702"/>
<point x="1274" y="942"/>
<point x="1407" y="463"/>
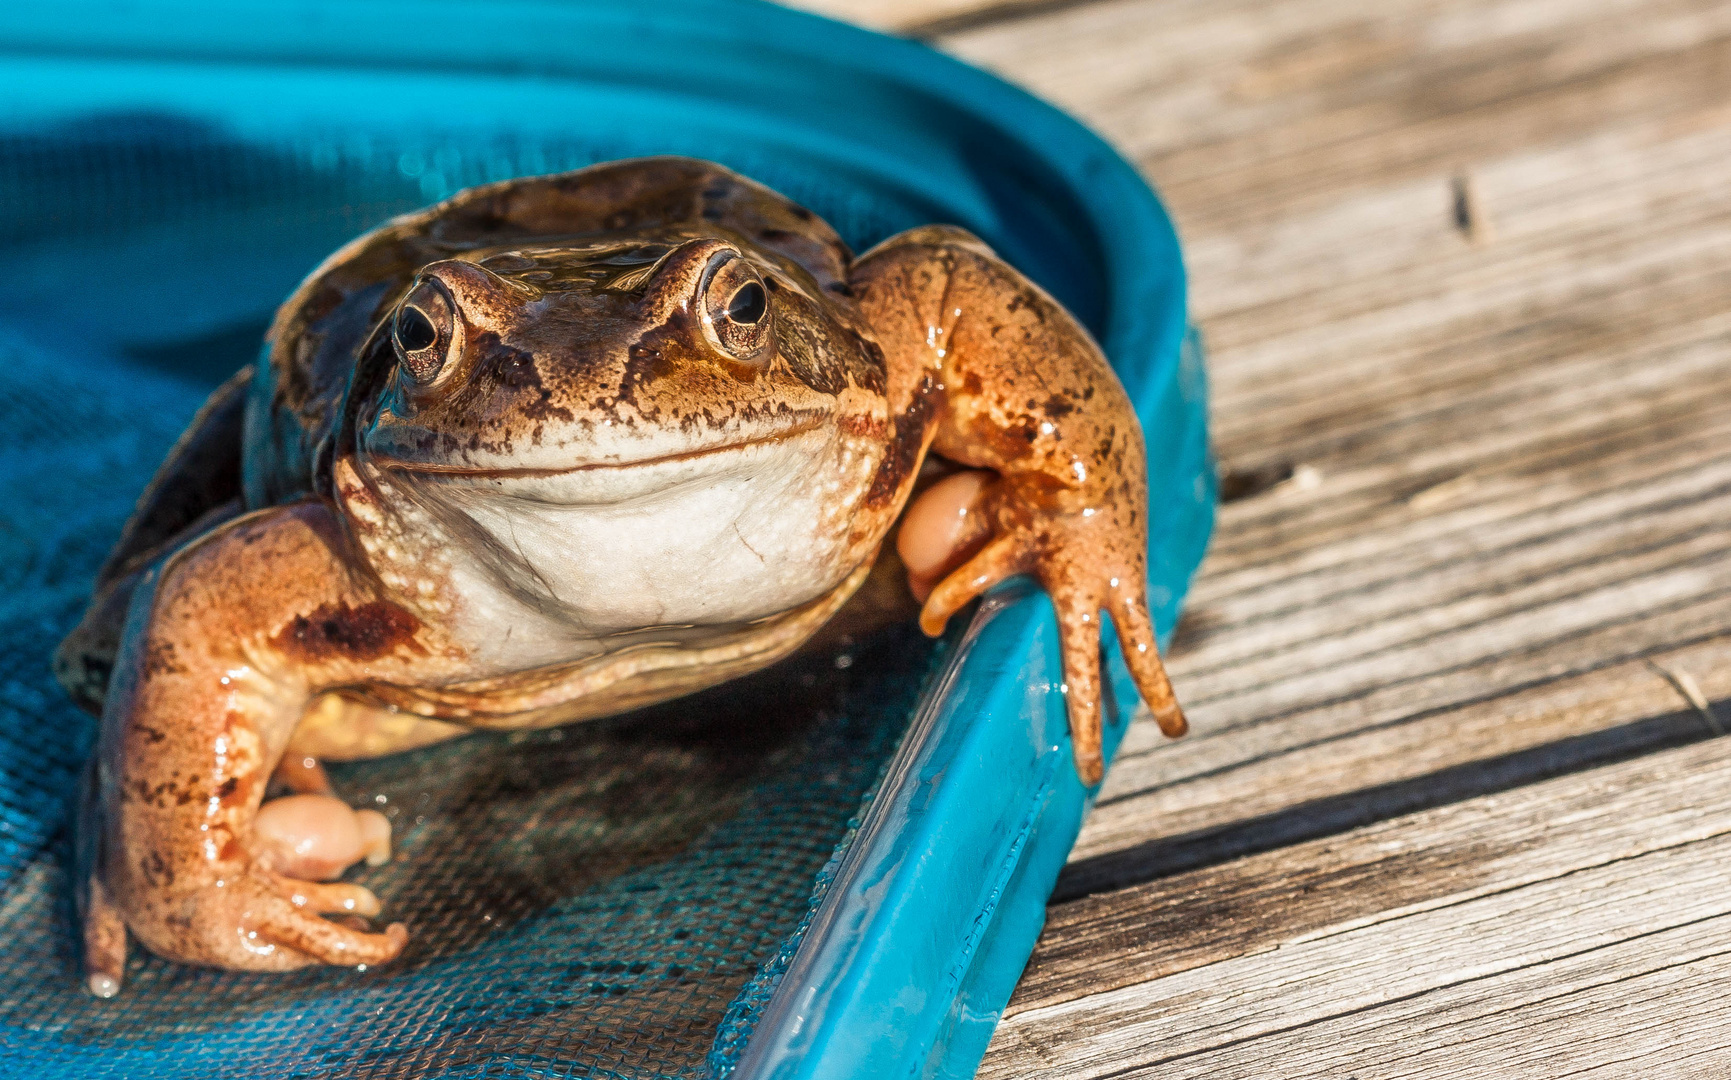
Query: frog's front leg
<point x="1013" y="384"/>
<point x="224" y="647"/>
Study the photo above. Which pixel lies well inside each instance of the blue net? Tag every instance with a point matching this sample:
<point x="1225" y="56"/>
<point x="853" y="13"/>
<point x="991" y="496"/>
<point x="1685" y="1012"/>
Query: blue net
<point x="598" y="901"/>
<point x="615" y="899"/>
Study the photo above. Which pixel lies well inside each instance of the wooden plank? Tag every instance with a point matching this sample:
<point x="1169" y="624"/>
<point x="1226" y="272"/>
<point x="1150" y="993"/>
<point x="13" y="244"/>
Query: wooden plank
<point x="1461" y="268"/>
<point x="1449" y="683"/>
<point x="1519" y="443"/>
<point x="1591" y="478"/>
<point x="1243" y="107"/>
<point x="1543" y="203"/>
<point x="1646" y="1007"/>
<point x="1516" y="453"/>
<point x="1468" y="912"/>
<point x="1544" y="573"/>
<point x="1437" y="857"/>
<point x="1656" y="500"/>
<point x="1314" y="790"/>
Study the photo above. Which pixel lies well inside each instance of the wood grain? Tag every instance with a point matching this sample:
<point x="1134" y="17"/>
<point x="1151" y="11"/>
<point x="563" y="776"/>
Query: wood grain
<point x="1520" y="443"/>
<point x="1450" y="806"/>
<point x="1436" y="858"/>
<point x="1415" y="761"/>
<point x="1479" y="908"/>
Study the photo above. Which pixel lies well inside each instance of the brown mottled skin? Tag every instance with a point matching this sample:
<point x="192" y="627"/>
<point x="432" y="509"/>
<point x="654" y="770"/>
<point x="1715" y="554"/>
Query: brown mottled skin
<point x="484" y="437"/>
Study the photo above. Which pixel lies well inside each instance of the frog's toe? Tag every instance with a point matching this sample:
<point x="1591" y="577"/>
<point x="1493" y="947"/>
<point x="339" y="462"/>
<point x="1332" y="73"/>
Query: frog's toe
<point x="942" y="528"/>
<point x="375" y="836"/>
<point x="256" y="920"/>
<point x="318" y="836"/>
<point x="1004" y="557"/>
<point x="1079" y="644"/>
<point x="1080" y="589"/>
<point x="293" y="927"/>
<point x="331" y="899"/>
<point x="1142" y="654"/>
<point x="1079" y="612"/>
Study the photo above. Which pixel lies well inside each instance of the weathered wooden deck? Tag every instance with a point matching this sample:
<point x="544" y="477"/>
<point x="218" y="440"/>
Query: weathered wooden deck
<point x="1452" y="805"/>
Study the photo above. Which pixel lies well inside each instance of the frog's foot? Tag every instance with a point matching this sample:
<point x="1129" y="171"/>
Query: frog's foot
<point x="255" y="920"/>
<point x="263" y="921"/>
<point x="282" y="916"/>
<point x="1087" y="562"/>
<point x="318" y="836"/>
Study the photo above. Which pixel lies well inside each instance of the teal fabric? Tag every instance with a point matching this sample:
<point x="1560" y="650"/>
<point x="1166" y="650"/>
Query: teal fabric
<point x="620" y="899"/>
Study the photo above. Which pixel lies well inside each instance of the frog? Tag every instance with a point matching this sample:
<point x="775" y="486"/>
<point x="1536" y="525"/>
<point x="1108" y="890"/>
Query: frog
<point x="553" y="449"/>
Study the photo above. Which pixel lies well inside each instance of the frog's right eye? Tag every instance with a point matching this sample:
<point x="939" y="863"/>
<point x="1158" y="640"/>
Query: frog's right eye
<point x="734" y="309"/>
<point x="423" y="330"/>
<point x="414" y="330"/>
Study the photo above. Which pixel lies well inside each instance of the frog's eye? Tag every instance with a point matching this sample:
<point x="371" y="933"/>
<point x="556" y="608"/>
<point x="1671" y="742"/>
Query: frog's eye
<point x="423" y="330"/>
<point x="735" y="307"/>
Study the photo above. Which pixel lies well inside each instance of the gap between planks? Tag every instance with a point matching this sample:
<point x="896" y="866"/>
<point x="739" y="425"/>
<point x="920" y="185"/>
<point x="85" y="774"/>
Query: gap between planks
<point x="1219" y="969"/>
<point x="1500" y="742"/>
<point x="1468" y="713"/>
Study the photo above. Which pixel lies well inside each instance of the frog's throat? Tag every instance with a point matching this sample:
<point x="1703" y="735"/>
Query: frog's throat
<point x="596" y="686"/>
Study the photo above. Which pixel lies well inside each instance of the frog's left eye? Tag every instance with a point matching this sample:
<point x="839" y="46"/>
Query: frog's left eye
<point x="735" y="308"/>
<point x="748" y="304"/>
<point x="423" y="330"/>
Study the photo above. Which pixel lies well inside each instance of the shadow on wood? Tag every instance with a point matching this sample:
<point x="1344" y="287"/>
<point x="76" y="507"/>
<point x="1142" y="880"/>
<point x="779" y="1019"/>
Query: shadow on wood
<point x="1328" y="817"/>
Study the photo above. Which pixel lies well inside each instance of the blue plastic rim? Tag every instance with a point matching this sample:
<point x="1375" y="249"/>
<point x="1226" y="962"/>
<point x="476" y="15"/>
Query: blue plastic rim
<point x="921" y="926"/>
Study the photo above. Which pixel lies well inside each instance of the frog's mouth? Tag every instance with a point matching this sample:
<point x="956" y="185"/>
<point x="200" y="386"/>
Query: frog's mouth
<point x="780" y="458"/>
<point x="801" y="427"/>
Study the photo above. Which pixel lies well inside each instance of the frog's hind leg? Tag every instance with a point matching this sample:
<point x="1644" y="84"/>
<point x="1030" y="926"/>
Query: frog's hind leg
<point x="226" y="643"/>
<point x="197" y="487"/>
